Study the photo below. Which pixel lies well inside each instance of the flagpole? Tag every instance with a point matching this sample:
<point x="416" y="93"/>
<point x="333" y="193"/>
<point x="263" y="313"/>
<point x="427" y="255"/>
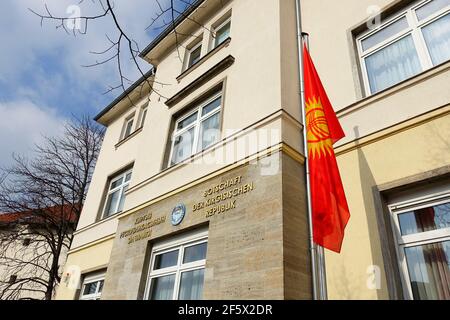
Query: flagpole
<point x="317" y="256"/>
<point x="320" y="252"/>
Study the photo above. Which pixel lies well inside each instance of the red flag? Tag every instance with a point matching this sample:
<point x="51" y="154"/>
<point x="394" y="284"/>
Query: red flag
<point x="330" y="212"/>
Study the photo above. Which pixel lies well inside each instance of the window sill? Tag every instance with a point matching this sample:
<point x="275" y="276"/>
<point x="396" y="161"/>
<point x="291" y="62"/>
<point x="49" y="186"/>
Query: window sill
<point x="443" y="67"/>
<point x="135" y="133"/>
<point x="202" y="60"/>
<point x="111" y="216"/>
<point x="208" y="75"/>
<point x="97" y="222"/>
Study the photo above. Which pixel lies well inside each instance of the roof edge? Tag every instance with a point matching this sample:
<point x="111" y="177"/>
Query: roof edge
<point x="183" y="16"/>
<point x="124" y="94"/>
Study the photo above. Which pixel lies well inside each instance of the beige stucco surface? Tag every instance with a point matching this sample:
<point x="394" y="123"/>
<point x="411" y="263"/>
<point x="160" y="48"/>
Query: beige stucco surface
<point x="95" y="257"/>
<point x="421" y="148"/>
<point x="399" y="132"/>
<point x="249" y="97"/>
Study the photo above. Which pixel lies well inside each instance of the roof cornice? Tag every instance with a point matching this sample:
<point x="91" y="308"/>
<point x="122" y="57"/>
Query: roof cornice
<point x="183" y="16"/>
<point x="124" y="94"/>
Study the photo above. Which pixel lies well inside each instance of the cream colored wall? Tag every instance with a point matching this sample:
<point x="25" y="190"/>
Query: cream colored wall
<point x="253" y="92"/>
<point x="328" y="23"/>
<point x="81" y="262"/>
<point x="25" y="254"/>
<point x="253" y="88"/>
<point x="403" y="154"/>
<point x="110" y="160"/>
<point x="410" y="99"/>
<point x="424" y="146"/>
<point x="262" y="80"/>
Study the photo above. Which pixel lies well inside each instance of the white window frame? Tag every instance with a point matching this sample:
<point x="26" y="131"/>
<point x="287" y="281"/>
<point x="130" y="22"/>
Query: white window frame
<point x="119" y="188"/>
<point x="92" y="279"/>
<point x="129" y="119"/>
<point x="414" y="29"/>
<point x="143" y="116"/>
<point x="417" y="239"/>
<point x="197" y="124"/>
<point x="189" y="54"/>
<point x="180" y="243"/>
<point x="214" y="43"/>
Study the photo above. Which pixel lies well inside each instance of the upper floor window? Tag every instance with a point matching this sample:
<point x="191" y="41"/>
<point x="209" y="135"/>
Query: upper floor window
<point x="413" y="41"/>
<point x="194" y="55"/>
<point x="422" y="229"/>
<point x="116" y="193"/>
<point x="128" y="127"/>
<point x="143" y="116"/>
<point x="92" y="287"/>
<point x="177" y="269"/>
<point x="222" y="32"/>
<point x="196" y="130"/>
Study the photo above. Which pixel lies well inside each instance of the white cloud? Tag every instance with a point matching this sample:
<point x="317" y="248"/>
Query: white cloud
<point x="30" y="54"/>
<point x="23" y="40"/>
<point x="23" y="124"/>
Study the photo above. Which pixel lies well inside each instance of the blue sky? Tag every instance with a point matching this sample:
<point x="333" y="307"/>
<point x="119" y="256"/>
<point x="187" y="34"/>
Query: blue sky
<point x="42" y="81"/>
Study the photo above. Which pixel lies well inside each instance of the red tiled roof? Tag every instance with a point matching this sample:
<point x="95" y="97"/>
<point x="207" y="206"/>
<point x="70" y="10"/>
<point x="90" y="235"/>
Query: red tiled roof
<point x="28" y="215"/>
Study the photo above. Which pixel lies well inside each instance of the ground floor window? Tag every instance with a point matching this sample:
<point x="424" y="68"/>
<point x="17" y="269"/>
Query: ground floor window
<point x="422" y="229"/>
<point x="177" y="268"/>
<point x="92" y="286"/>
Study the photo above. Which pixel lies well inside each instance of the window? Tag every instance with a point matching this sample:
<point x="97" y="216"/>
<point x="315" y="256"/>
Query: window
<point x="221" y="33"/>
<point x="177" y="269"/>
<point x="413" y="41"/>
<point x="196" y="130"/>
<point x="116" y="194"/>
<point x="423" y="246"/>
<point x="194" y="55"/>
<point x="143" y="116"/>
<point x="128" y="127"/>
<point x="92" y="287"/>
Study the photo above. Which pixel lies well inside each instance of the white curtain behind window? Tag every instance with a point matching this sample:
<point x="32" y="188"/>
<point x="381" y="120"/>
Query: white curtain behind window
<point x="392" y="64"/>
<point x="191" y="287"/>
<point x="162" y="288"/>
<point x="437" y="37"/>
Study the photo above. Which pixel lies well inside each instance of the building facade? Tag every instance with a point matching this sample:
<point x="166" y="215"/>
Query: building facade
<point x="199" y="189"/>
<point x="26" y="256"/>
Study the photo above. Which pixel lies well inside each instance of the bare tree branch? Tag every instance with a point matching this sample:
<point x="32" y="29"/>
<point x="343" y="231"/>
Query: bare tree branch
<point x="41" y="201"/>
<point x="124" y="46"/>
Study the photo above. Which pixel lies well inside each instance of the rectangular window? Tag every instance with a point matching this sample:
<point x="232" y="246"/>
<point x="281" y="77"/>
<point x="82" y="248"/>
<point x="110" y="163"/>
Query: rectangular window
<point x="92" y="287"/>
<point x="128" y="127"/>
<point x="194" y="55"/>
<point x="177" y="268"/>
<point x="411" y="42"/>
<point x="196" y="130"/>
<point x="143" y="116"/>
<point x="222" y="32"/>
<point x="116" y="193"/>
<point x="423" y="246"/>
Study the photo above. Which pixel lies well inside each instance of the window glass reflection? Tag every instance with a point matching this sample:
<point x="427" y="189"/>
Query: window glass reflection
<point x="165" y="260"/>
<point x="427" y="219"/>
<point x="162" y="288"/>
<point x="191" y="287"/>
<point x="195" y="253"/>
<point x="429" y="270"/>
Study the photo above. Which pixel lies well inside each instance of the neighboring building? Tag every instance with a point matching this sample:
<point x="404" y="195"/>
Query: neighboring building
<point x="25" y="253"/>
<point x="223" y="215"/>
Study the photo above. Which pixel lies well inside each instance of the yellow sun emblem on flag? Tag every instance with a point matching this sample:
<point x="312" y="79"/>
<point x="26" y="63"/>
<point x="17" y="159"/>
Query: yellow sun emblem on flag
<point x="318" y="134"/>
